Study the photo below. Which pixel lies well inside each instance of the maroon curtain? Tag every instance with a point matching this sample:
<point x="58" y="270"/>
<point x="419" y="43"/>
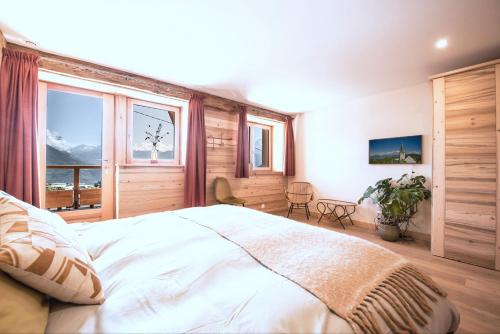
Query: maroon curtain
<point x="242" y="153"/>
<point x="196" y="154"/>
<point x="289" y="169"/>
<point x="18" y="125"/>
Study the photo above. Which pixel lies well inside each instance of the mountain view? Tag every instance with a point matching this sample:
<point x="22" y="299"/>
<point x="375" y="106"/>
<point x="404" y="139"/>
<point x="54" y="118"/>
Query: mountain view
<point x="60" y="153"/>
<point x="74" y="135"/>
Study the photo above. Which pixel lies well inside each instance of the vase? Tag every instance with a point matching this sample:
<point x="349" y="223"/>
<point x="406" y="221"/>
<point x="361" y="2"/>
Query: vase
<point x="154" y="155"/>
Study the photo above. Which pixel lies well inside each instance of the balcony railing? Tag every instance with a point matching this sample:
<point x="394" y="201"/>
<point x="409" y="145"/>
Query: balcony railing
<point x="76" y="197"/>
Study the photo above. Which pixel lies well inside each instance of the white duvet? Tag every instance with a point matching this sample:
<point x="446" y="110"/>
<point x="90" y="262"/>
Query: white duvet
<point x="163" y="273"/>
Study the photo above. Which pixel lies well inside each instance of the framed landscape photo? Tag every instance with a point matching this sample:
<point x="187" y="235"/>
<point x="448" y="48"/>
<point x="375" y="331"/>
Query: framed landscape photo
<point x="397" y="150"/>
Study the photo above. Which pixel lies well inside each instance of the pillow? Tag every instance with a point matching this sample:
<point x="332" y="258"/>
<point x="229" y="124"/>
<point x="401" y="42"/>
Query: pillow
<point x="40" y="250"/>
<point x="22" y="309"/>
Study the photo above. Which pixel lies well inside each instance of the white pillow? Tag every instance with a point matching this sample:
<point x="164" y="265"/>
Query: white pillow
<point x="40" y="250"/>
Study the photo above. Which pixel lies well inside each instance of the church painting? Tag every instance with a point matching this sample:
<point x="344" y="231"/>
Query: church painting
<point x="398" y="150"/>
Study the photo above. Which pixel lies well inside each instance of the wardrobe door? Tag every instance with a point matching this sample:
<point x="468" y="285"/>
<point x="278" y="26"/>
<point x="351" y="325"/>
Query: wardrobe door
<point x="470" y="167"/>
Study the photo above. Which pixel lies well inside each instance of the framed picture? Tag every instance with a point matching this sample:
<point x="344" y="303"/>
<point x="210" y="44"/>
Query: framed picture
<point x="397" y="150"/>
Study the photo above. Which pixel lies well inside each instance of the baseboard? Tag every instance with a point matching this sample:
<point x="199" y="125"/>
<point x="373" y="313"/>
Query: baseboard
<point x="420" y="236"/>
<point x="414" y="234"/>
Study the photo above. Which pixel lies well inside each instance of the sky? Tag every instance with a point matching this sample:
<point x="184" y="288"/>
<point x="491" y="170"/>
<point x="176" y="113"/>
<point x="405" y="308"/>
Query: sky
<point x="76" y="118"/>
<point x="411" y="144"/>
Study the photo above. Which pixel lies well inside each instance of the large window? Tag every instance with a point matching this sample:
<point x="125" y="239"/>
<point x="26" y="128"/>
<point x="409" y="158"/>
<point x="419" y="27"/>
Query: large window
<point x="153" y="133"/>
<point x="73" y="149"/>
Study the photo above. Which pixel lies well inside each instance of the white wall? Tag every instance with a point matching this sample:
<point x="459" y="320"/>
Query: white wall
<point x="332" y="145"/>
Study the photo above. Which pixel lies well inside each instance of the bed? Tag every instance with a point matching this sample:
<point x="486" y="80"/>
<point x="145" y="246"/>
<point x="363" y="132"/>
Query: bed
<point x="172" y="272"/>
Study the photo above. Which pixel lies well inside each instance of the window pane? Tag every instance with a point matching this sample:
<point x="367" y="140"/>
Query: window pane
<point x="153" y="126"/>
<point x="261" y="147"/>
<point x="74" y="138"/>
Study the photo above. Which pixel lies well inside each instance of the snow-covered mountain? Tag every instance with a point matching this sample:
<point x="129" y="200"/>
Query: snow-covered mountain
<point x="58" y="142"/>
<point x="61" y="152"/>
<point x="90" y="155"/>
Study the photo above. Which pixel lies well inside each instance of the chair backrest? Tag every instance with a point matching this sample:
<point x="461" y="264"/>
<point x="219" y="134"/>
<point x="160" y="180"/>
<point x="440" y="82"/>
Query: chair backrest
<point x="299" y="192"/>
<point x="222" y="188"/>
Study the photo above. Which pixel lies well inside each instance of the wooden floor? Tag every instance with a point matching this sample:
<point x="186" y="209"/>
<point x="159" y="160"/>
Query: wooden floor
<point x="475" y="291"/>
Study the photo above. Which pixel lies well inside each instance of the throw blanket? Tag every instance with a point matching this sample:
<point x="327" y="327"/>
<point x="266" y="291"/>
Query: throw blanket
<point x="356" y="279"/>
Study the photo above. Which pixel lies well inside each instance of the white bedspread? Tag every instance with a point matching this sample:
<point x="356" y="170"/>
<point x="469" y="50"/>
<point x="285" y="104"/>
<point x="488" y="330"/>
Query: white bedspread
<point x="163" y="273"/>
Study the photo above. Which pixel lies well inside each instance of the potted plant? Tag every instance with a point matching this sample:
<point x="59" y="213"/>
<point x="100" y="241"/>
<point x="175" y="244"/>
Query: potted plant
<point x="398" y="203"/>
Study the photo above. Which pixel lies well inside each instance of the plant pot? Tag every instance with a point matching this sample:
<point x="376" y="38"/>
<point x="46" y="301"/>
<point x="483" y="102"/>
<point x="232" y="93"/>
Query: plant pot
<point x="389" y="232"/>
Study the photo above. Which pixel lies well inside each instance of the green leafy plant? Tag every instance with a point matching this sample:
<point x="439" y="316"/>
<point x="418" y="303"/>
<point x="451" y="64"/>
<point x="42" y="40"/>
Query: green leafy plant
<point x="398" y="200"/>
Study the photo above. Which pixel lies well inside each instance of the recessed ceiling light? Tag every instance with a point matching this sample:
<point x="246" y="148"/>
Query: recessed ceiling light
<point x="441" y="43"/>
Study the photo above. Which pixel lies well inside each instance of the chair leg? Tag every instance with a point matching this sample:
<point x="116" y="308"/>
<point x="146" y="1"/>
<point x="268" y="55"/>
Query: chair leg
<point x="290" y="208"/>
<point x="308" y="213"/>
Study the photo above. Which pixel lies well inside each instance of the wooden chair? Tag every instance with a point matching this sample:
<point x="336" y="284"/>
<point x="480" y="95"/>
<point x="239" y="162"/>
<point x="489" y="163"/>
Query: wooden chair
<point x="299" y="195"/>
<point x="223" y="193"/>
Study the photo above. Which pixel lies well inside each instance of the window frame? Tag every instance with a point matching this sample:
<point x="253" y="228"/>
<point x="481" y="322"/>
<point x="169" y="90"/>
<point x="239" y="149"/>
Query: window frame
<point x="106" y="211"/>
<point x="270" y="128"/>
<point x="176" y="161"/>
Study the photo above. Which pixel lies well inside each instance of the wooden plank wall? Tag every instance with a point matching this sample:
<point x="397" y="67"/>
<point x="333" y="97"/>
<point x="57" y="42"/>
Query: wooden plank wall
<point x="264" y="188"/>
<point x="144" y="189"/>
<point x="470" y="167"/>
<point x="152" y="189"/>
<point x="149" y="189"/>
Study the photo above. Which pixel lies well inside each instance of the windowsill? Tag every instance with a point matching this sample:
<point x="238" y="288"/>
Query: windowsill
<point x="151" y="165"/>
<point x="72" y="216"/>
<point x="264" y="172"/>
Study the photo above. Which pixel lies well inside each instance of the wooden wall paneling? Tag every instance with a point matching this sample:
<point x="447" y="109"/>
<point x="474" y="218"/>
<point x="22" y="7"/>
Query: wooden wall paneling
<point x="438" y="170"/>
<point x="470" y="167"/>
<point x="497" y="100"/>
<point x="150" y="189"/>
<point x="260" y="188"/>
<point x="77" y="216"/>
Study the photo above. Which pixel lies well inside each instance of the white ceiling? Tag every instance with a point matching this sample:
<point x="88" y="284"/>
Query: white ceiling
<point x="287" y="55"/>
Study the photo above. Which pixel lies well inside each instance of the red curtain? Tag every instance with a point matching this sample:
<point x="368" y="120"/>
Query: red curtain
<point x="242" y="153"/>
<point x="289" y="169"/>
<point x="18" y="125"/>
<point x="196" y="155"/>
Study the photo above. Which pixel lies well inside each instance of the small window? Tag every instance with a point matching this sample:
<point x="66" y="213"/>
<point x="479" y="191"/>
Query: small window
<point x="260" y="146"/>
<point x="153" y="133"/>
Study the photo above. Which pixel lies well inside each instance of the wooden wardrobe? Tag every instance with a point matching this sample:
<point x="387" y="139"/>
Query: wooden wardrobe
<point x="466" y="175"/>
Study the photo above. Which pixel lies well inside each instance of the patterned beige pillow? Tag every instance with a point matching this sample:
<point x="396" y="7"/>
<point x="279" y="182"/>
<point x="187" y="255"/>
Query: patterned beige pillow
<point x="40" y="250"/>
